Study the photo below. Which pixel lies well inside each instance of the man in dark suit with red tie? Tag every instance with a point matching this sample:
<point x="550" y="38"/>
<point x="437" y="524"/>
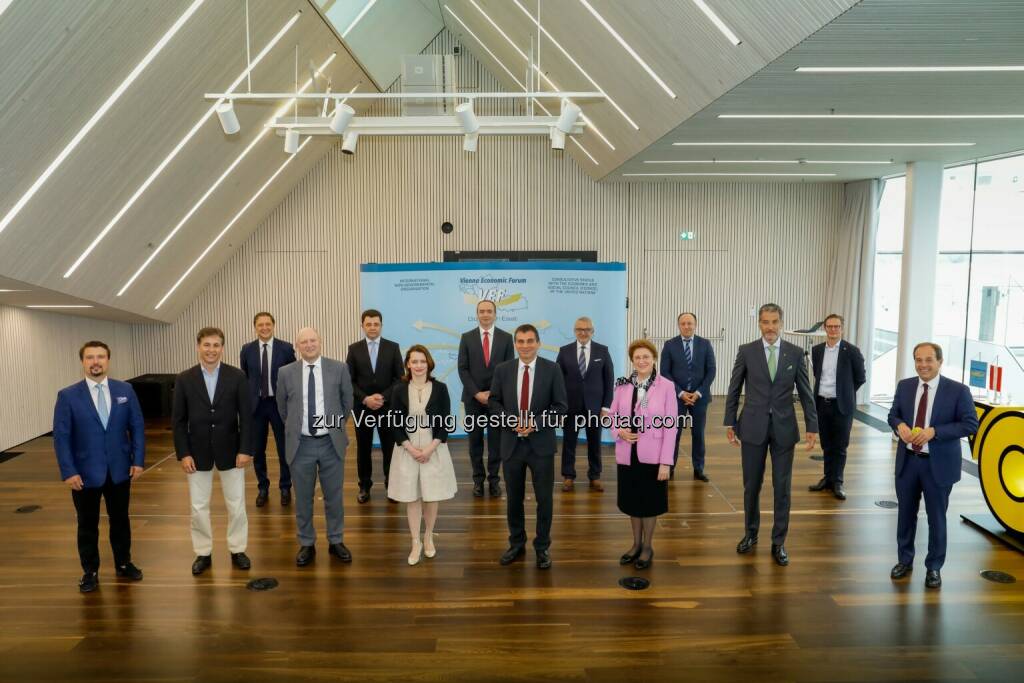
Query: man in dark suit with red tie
<point x="942" y="412"/>
<point x="260" y="361"/>
<point x="480" y="351"/>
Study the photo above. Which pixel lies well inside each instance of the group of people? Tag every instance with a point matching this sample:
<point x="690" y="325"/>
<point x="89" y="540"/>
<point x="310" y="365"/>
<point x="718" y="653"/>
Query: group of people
<point x="223" y="415"/>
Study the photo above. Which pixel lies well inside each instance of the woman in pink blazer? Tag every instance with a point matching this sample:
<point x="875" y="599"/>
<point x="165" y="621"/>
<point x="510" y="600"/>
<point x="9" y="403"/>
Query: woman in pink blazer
<point x="643" y="414"/>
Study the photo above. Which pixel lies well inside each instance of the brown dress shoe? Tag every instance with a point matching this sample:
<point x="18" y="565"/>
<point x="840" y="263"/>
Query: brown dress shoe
<point x="568" y="485"/>
<point x="597" y="486"/>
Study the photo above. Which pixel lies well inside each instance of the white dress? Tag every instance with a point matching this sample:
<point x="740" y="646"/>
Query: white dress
<point x="409" y="480"/>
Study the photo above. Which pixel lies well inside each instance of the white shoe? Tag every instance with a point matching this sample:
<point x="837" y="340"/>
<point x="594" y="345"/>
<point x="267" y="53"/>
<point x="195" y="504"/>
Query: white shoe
<point x="428" y="545"/>
<point x="417" y="550"/>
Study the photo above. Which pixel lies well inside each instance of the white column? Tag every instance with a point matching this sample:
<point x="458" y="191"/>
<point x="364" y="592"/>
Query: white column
<point x="920" y="253"/>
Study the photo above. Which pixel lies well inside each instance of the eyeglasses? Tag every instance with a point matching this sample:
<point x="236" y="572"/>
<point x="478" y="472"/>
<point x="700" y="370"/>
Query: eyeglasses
<point x="584" y="329"/>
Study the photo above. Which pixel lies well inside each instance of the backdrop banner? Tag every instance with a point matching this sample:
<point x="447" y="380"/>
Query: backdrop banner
<point x="434" y="303"/>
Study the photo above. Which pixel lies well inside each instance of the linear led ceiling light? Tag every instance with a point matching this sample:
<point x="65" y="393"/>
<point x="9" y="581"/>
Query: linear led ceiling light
<point x="758" y="161"/>
<point x="259" y="136"/>
<point x="359" y="17"/>
<point x="719" y="24"/>
<point x="823" y="144"/>
<point x="95" y="118"/>
<point x="224" y="121"/>
<point x="58" y="306"/>
<point x="748" y="175"/>
<point x="902" y="69"/>
<point x="630" y="50"/>
<point x="909" y="117"/>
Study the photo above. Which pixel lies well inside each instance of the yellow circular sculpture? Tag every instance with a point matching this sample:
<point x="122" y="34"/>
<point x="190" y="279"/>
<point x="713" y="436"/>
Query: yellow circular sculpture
<point x="998" y="448"/>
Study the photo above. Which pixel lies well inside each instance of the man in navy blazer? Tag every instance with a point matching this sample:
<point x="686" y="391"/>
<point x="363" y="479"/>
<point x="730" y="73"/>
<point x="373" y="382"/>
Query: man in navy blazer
<point x="689" y="361"/>
<point x="260" y="360"/>
<point x="838" y="374"/>
<point x="930" y="414"/>
<point x="99" y="437"/>
<point x="589" y="384"/>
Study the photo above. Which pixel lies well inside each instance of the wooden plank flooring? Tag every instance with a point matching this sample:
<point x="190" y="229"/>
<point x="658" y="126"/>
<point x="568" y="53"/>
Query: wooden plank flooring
<point x="709" y="614"/>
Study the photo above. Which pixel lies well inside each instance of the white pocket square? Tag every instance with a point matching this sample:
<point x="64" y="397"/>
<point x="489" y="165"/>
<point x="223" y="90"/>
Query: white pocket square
<point x="598" y="360"/>
<point x="789" y="367"/>
<point x="122" y="399"/>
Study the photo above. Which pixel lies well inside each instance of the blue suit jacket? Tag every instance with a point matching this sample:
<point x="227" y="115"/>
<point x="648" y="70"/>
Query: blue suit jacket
<point x="85" y="448"/>
<point x="595" y="391"/>
<point x="673" y="366"/>
<point x="953" y="417"/>
<point x="282" y="354"/>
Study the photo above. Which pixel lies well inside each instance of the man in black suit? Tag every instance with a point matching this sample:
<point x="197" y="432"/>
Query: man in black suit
<point x="838" y="374"/>
<point x="768" y="368"/>
<point x="589" y="384"/>
<point x="528" y="399"/>
<point x="374" y="364"/>
<point x="260" y="360"/>
<point x="213" y="427"/>
<point x="480" y="351"/>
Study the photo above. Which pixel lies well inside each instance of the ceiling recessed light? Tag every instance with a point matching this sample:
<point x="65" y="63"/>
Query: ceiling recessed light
<point x="752" y="175"/>
<point x="823" y="144"/>
<point x="630" y="50"/>
<point x="902" y="69"/>
<point x="181" y="144"/>
<point x="719" y="24"/>
<point x="873" y="116"/>
<point x="99" y="113"/>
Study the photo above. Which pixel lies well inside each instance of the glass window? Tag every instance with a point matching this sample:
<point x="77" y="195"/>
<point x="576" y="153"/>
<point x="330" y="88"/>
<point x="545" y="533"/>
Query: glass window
<point x="999" y="210"/>
<point x="888" y="261"/>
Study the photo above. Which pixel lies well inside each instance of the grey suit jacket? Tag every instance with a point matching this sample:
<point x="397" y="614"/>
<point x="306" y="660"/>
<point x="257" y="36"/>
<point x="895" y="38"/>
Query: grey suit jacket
<point x="337" y="403"/>
<point x="768" y="401"/>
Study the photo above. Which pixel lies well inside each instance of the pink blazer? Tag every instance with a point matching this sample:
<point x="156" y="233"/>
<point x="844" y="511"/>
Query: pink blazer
<point x="656" y="445"/>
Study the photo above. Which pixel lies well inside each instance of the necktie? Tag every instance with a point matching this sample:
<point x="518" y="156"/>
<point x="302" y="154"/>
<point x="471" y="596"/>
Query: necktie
<point x="922" y="412"/>
<point x="583" y="361"/>
<point x="373" y="355"/>
<point x="101" y="405"/>
<point x="524" y="395"/>
<point x="264" y="374"/>
<point x="311" y="401"/>
<point x="771" y="362"/>
<point x="689" y="362"/>
<point x="487" y="349"/>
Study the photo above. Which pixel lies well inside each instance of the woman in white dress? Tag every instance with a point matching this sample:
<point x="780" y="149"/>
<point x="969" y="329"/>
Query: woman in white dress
<point x="422" y="473"/>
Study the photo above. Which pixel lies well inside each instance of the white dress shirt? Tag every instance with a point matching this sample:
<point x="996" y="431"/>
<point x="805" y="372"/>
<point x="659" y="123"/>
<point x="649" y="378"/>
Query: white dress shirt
<point x="318" y="374"/>
<point x="933" y="385"/>
<point x="829" y="364"/>
<point x="490" y="336"/>
<point x="778" y="351"/>
<point x="105" y="388"/>
<point x="519" y="380"/>
<point x="586" y="355"/>
<point x="270" y="360"/>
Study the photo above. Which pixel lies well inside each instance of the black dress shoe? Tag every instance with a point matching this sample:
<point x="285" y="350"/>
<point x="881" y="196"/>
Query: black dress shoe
<point x="822" y="485"/>
<point x="900" y="571"/>
<point x="699" y="474"/>
<point x="630" y="558"/>
<point x="261" y="498"/>
<point x="512" y="554"/>
<point x="478" y="490"/>
<point x="746" y="544"/>
<point x="305" y="555"/>
<point x="340" y="551"/>
<point x="129" y="571"/>
<point x="932" y="579"/>
<point x="241" y="561"/>
<point x="495" y="491"/>
<point x="364" y="495"/>
<point x="641" y="563"/>
<point x="201" y="564"/>
<point x="543" y="559"/>
<point x="838" y="492"/>
<point x="90" y="581"/>
<point x="286" y="497"/>
<point x="779" y="553"/>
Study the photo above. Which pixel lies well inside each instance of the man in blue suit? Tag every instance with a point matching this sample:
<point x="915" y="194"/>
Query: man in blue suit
<point x="589" y="384"/>
<point x="99" y="437"/>
<point x="930" y="414"/>
<point x="689" y="361"/>
<point x="260" y="361"/>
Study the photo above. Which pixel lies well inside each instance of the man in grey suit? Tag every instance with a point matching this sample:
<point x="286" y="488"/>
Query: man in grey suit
<point x="770" y="368"/>
<point x="314" y="397"/>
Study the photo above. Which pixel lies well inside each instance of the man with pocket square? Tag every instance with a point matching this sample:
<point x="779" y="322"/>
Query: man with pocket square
<point x="769" y="368"/>
<point x="99" y="437"/>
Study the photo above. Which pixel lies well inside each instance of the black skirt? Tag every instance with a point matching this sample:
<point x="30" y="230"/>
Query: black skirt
<point x="640" y="494"/>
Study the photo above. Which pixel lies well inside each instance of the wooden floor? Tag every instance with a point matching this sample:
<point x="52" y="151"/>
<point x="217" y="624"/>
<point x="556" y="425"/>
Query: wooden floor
<point x="709" y="614"/>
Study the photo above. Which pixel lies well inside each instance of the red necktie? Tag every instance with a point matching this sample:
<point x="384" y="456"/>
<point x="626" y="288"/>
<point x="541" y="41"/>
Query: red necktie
<point x="524" y="395"/>
<point x="487" y="349"/>
<point x="922" y="411"/>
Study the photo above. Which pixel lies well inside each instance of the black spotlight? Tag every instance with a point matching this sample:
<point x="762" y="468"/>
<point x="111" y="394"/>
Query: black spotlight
<point x="447" y="228"/>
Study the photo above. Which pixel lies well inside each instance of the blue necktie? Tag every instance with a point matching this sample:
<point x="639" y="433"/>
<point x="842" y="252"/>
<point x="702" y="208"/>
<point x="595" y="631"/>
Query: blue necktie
<point x="373" y="355"/>
<point x="583" y="361"/>
<point x="311" y="401"/>
<point x="101" y="405"/>
<point x="689" y="361"/>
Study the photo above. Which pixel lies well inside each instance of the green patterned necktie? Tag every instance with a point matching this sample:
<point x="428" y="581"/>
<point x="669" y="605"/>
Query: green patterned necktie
<point x="771" y="362"/>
